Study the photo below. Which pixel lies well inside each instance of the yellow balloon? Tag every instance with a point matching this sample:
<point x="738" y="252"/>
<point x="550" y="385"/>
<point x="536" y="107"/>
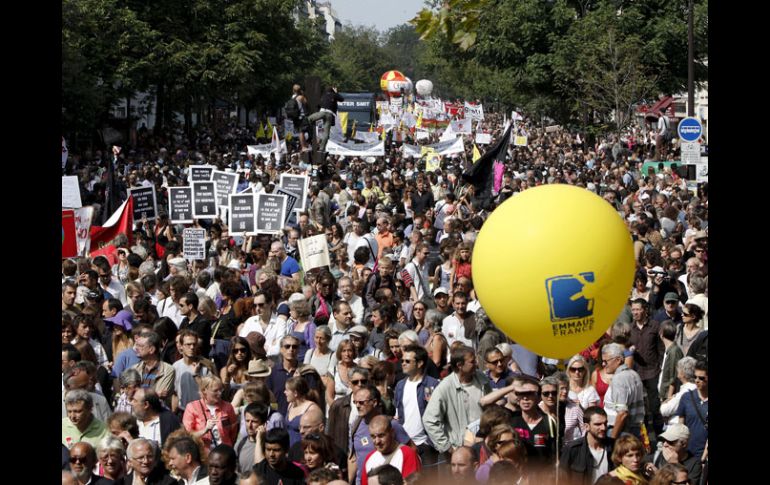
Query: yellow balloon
<point x="553" y="267"/>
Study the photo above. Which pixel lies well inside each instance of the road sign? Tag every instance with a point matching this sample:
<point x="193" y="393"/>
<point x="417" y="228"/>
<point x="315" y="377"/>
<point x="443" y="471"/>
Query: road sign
<point x="690" y="152"/>
<point x="690" y="129"/>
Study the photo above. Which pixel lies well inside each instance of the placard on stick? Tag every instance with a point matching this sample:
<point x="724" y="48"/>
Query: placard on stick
<point x="200" y="173"/>
<point x="297" y="184"/>
<point x="180" y="205"/>
<point x="291" y="201"/>
<point x="271" y="213"/>
<point x="242" y="214"/>
<point x="204" y="200"/>
<point x="145" y="203"/>
<point x="226" y="185"/>
<point x="194" y="243"/>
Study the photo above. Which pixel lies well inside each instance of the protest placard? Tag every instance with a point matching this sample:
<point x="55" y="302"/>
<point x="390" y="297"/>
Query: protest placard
<point x="145" y="203"/>
<point x="194" y="244"/>
<point x="70" y="193"/>
<point x="242" y="214"/>
<point x="314" y="252"/>
<point x="199" y="173"/>
<point x="270" y="213"/>
<point x="180" y="205"/>
<point x="204" y="200"/>
<point x="297" y="184"/>
<point x="226" y="185"/>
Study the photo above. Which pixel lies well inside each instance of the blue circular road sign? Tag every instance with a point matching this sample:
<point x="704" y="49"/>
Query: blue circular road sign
<point x="690" y="129"/>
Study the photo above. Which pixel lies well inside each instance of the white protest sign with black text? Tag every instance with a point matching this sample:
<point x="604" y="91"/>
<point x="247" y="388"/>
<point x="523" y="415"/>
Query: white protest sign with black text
<point x="70" y="193"/>
<point x="204" y="200"/>
<point x="145" y="204"/>
<point x="314" y="252"/>
<point x="271" y="213"/>
<point x="226" y="185"/>
<point x="180" y="205"/>
<point x="242" y="214"/>
<point x="200" y="173"/>
<point x="297" y="184"/>
<point x="194" y="244"/>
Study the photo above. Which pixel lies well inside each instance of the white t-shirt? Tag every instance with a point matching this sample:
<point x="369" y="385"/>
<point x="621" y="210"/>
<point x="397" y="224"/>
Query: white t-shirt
<point x="600" y="465"/>
<point x="585" y="396"/>
<point x="151" y="430"/>
<point x="275" y="331"/>
<point x="412" y="419"/>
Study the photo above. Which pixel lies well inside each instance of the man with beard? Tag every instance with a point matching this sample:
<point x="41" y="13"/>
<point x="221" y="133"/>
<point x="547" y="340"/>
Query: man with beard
<point x="586" y="459"/>
<point x="82" y="462"/>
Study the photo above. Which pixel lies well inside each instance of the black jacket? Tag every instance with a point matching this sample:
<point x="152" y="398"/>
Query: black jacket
<point x="98" y="480"/>
<point x="577" y="461"/>
<point x="168" y="424"/>
<point x="159" y="476"/>
<point x="329" y="100"/>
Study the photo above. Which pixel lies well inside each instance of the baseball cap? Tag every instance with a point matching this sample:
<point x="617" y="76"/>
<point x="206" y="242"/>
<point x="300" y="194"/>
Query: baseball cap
<point x="676" y="432"/>
<point x="671" y="296"/>
<point x="440" y="289"/>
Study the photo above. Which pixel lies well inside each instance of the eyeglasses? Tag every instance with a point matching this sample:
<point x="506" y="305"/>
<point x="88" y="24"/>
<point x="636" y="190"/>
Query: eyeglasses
<point x="78" y="459"/>
<point x="605" y="362"/>
<point x="361" y="403"/>
<point x="577" y="369"/>
<point x="359" y="382"/>
<point x="686" y="314"/>
<point x="290" y="346"/>
<point x="549" y="393"/>
<point x="239" y="350"/>
<point x="495" y="362"/>
<point x="701" y="378"/>
<point x="525" y="394"/>
<point x="407" y="361"/>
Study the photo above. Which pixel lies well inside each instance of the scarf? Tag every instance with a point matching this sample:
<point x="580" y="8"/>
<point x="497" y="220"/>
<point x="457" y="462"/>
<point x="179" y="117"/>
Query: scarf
<point x="629" y="477"/>
<point x="323" y="308"/>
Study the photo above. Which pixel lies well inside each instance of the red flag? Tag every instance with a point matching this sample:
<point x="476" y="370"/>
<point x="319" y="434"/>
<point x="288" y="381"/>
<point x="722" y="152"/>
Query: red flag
<point x="121" y="222"/>
<point x="69" y="240"/>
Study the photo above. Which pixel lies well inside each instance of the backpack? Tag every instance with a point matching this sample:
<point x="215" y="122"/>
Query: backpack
<point x="292" y="109"/>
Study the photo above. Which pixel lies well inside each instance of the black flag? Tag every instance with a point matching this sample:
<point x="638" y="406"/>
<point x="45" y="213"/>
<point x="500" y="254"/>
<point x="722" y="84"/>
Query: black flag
<point x="482" y="173"/>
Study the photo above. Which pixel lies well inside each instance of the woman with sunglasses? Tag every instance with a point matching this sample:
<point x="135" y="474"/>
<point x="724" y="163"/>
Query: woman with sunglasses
<point x="233" y="374"/>
<point x="496" y="439"/>
<point x="336" y="378"/>
<point x="549" y="393"/>
<point x="690" y="329"/>
<point x="300" y="399"/>
<point x="581" y="391"/>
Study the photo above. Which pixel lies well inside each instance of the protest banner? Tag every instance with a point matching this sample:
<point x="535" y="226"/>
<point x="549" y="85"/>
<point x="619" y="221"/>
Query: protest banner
<point x="432" y="159"/>
<point x="483" y="138"/>
<point x="474" y="111"/>
<point x="180" y="205"/>
<point x="70" y="193"/>
<point x="314" y="252"/>
<point x="145" y="203"/>
<point x="199" y="173"/>
<point x="449" y="147"/>
<point x="352" y="149"/>
<point x="297" y="184"/>
<point x="242" y="214"/>
<point x="194" y="244"/>
<point x="291" y="202"/>
<point x="204" y="200"/>
<point x="226" y="183"/>
<point x="462" y="127"/>
<point x="270" y="213"/>
<point x="83" y="218"/>
<point x="520" y="141"/>
<point x="69" y="240"/>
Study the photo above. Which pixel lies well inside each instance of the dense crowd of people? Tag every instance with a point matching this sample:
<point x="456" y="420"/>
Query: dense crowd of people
<point x="383" y="367"/>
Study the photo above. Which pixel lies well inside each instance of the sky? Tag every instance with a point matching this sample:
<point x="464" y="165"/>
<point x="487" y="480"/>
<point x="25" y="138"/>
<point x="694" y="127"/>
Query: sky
<point x="382" y="14"/>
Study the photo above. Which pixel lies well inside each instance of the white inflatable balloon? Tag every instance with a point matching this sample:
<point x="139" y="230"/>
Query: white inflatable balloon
<point x="424" y="87"/>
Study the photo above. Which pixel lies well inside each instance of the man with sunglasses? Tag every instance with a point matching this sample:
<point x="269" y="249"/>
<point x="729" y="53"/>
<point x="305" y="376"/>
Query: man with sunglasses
<point x="82" y="463"/>
<point x="693" y="411"/>
<point x="672" y="448"/>
<point x="368" y="403"/>
<point x="624" y="399"/>
<point x="283" y="370"/>
<point x="265" y="322"/>
<point x="411" y="397"/>
<point x="496" y="371"/>
<point x="342" y="412"/>
<point x="535" y="428"/>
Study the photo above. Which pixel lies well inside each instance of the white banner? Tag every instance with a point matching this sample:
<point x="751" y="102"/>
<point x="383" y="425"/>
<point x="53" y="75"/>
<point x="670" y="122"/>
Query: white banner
<point x="265" y="150"/>
<point x="372" y="149"/>
<point x="442" y="148"/>
<point x="474" y="111"/>
<point x="368" y="137"/>
<point x="70" y="193"/>
<point x="421" y="134"/>
<point x="449" y="134"/>
<point x="314" y="252"/>
<point x="83" y="218"/>
<point x="483" y="138"/>
<point x="462" y="127"/>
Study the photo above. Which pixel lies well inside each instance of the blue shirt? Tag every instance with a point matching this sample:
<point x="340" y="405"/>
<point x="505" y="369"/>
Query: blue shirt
<point x="363" y="444"/>
<point x="501" y="381"/>
<point x="289" y="266"/>
<point x="125" y="359"/>
<point x="276" y="382"/>
<point x="698" y="432"/>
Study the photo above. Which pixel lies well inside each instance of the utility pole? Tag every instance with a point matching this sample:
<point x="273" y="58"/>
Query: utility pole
<point x="690" y="62"/>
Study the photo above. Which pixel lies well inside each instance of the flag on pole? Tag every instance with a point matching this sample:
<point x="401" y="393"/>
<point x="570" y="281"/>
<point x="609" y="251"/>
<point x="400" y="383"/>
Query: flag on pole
<point x="476" y="153"/>
<point x="120" y="222"/>
<point x="260" y="131"/>
<point x="268" y="128"/>
<point x="482" y="173"/>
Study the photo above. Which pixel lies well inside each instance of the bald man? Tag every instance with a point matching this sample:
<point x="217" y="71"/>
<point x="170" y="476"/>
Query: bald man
<point x="312" y="422"/>
<point x="464" y="465"/>
<point x="82" y="463"/>
<point x="388" y="451"/>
